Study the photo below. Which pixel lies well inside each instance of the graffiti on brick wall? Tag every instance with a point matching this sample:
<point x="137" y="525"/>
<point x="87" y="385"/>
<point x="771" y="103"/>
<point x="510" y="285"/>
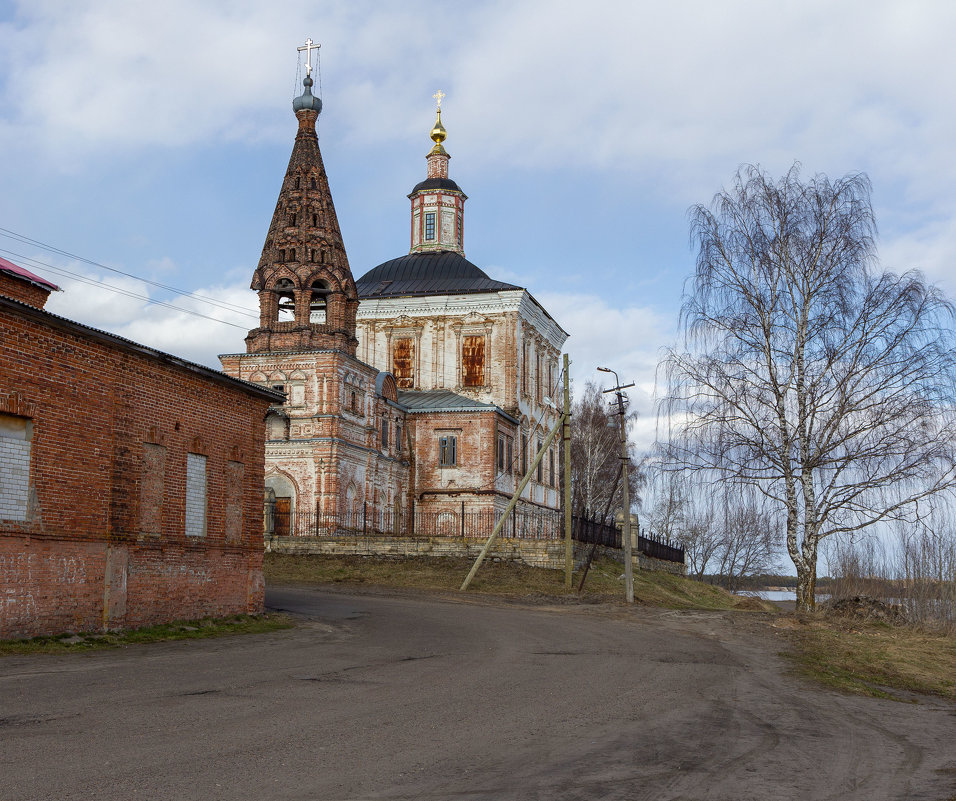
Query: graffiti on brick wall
<point x="192" y="574"/>
<point x="22" y="575"/>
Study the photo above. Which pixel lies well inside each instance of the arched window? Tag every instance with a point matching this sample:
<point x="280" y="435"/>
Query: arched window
<point x="312" y="184"/>
<point x="285" y="289"/>
<point x="296" y="185"/>
<point x="318" y="301"/>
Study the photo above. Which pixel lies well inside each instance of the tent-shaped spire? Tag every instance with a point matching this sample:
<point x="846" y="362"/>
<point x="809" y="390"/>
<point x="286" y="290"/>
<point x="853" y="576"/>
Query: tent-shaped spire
<point x="307" y="296"/>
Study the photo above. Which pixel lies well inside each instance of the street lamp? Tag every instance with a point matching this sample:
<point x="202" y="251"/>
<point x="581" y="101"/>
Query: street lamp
<point x="626" y="534"/>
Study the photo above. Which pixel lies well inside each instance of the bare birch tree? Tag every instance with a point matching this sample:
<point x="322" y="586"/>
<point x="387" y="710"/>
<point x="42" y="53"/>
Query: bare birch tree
<point x="806" y="374"/>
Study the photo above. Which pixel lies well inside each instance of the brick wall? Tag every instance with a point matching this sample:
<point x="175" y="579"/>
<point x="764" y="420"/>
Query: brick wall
<point x="104" y="541"/>
<point x="547" y="554"/>
<point x="25" y="291"/>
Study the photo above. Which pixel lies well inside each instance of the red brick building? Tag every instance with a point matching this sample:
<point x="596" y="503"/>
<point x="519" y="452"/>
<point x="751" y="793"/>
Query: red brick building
<point x="334" y="455"/>
<point x="130" y="480"/>
<point x="457" y="341"/>
<point x="422" y="392"/>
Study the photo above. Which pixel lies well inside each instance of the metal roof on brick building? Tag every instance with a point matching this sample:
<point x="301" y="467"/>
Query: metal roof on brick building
<point x="26" y="275"/>
<point x="444" y="400"/>
<point x="430" y="273"/>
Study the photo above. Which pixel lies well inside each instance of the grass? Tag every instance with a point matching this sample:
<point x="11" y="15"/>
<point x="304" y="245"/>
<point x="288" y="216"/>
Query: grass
<point x="874" y="659"/>
<point x="503" y="579"/>
<point x="178" y="630"/>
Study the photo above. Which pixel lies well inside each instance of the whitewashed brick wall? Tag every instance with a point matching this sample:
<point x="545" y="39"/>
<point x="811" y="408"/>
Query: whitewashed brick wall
<point x="14" y="478"/>
<point x="195" y="495"/>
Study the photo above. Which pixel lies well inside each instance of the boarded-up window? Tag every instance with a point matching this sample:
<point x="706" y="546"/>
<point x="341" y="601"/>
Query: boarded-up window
<point x="152" y="490"/>
<point x="233" y="498"/>
<point x="403" y="367"/>
<point x="15" y="435"/>
<point x="524" y="368"/>
<point x="447" y="451"/>
<point x="195" y="495"/>
<point x="473" y="361"/>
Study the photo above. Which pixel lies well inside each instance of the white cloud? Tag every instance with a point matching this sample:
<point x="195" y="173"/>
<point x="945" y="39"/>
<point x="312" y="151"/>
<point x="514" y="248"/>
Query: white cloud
<point x="172" y="330"/>
<point x="627" y="339"/>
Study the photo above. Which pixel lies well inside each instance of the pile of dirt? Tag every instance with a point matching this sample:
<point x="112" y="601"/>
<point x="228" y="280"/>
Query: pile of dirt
<point x="749" y="603"/>
<point x="864" y="607"/>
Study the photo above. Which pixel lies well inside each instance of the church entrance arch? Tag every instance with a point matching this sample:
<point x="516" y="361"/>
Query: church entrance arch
<point x="283" y="502"/>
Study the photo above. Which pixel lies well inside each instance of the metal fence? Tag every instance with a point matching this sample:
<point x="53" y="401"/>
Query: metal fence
<point x="590" y="531"/>
<point x="529" y="524"/>
<point x="532" y="524"/>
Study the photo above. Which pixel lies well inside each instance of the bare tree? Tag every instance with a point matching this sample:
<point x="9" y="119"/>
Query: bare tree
<point x="747" y="541"/>
<point x="596" y="457"/>
<point x="700" y="535"/>
<point x="826" y="386"/>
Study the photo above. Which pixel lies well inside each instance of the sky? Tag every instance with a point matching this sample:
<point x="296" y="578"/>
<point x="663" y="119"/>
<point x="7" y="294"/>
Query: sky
<point x="152" y="138"/>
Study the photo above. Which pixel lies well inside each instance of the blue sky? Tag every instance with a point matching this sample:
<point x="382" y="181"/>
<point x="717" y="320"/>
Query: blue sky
<point x="152" y="137"/>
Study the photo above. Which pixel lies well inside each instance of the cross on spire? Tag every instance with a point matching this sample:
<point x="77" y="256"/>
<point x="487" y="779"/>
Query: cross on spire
<point x="309" y="46"/>
<point x="439" y="96"/>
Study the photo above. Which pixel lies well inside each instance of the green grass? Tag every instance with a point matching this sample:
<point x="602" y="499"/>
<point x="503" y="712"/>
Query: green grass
<point x="502" y="579"/>
<point x="873" y="659"/>
<point x="177" y="630"/>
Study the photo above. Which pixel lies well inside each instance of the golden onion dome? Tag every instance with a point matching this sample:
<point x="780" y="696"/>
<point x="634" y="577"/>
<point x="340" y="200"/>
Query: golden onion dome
<point x="438" y="132"/>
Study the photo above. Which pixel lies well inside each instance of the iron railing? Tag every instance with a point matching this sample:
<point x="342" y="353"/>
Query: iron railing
<point x="532" y="524"/>
<point x="529" y="524"/>
<point x="587" y="530"/>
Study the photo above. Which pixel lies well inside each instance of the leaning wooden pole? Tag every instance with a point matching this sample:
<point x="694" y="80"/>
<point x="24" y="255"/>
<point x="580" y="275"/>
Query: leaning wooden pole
<point x="511" y="505"/>
<point x="568" y="547"/>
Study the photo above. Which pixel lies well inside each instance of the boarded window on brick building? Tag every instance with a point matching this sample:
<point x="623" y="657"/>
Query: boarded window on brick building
<point x="524" y="368"/>
<point x="233" y="500"/>
<point x="195" y="495"/>
<point x="447" y="451"/>
<point x="473" y="361"/>
<point x="152" y="490"/>
<point x="403" y="352"/>
<point x="16" y="434"/>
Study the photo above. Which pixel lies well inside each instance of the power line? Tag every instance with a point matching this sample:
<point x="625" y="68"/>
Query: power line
<point x="26" y="240"/>
<point x="117" y="290"/>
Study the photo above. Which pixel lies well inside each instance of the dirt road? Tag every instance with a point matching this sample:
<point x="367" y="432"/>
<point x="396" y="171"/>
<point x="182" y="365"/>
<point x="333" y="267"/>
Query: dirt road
<point x="391" y="697"/>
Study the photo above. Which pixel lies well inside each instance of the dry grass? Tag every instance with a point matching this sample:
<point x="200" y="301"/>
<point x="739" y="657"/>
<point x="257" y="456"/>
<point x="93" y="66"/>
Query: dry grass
<point x="178" y="630"/>
<point x="874" y="659"/>
<point x="504" y="579"/>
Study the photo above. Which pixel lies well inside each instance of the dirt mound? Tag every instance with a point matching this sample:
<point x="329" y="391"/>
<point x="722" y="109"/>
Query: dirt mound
<point x="863" y="607"/>
<point x="748" y="602"/>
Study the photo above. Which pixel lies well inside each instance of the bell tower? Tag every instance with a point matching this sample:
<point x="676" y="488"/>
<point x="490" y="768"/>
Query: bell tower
<point x="307" y="296"/>
<point x="438" y="204"/>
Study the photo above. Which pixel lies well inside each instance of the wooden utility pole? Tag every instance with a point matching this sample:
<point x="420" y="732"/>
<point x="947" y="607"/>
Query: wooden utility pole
<point x="626" y="534"/>
<point x="568" y="546"/>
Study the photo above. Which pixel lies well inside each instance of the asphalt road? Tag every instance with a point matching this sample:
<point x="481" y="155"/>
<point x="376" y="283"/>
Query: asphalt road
<point x="392" y="697"/>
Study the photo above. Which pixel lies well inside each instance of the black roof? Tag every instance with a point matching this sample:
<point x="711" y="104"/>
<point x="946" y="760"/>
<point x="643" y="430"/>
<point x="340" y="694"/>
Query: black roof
<point x="436" y="183"/>
<point x="442" y="272"/>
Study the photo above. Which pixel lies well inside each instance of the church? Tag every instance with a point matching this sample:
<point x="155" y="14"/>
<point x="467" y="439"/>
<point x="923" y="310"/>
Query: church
<point x="417" y="396"/>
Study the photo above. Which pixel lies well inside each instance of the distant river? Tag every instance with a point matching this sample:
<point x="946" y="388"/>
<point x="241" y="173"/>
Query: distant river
<point x="779" y="595"/>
